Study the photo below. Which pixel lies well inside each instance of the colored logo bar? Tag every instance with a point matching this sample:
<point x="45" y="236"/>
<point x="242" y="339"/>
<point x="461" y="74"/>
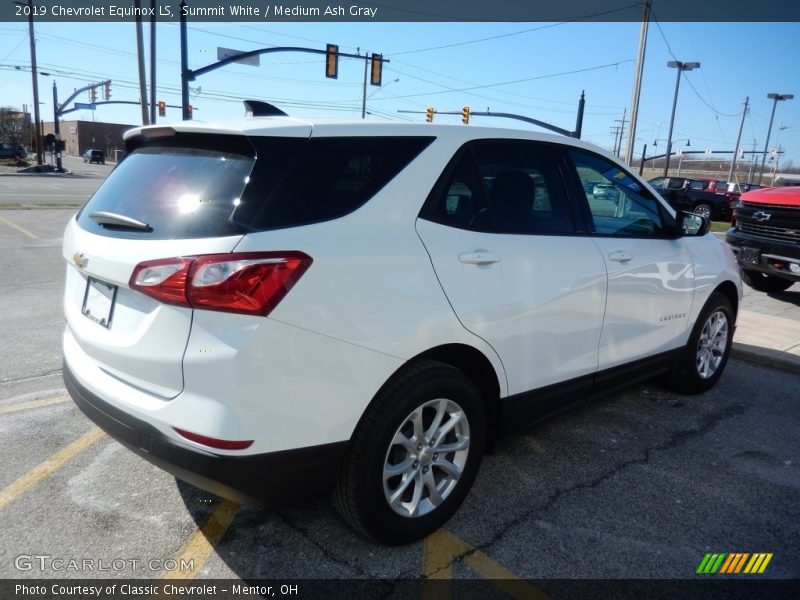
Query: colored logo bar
<point x="730" y="563"/>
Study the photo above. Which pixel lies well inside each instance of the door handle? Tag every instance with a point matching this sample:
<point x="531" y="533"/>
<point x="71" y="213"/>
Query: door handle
<point x="620" y="256"/>
<point x="478" y="257"/>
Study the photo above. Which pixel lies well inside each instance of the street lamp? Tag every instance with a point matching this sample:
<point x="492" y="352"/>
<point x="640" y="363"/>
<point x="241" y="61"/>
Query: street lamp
<point x="775" y="98"/>
<point x="680" y="66"/>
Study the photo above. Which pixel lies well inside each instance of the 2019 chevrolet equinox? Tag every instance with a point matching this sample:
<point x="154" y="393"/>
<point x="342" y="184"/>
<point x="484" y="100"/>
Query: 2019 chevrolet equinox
<point x="276" y="307"/>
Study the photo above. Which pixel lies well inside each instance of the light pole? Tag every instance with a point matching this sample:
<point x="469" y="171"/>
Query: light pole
<point x="681" y="67"/>
<point x="775" y="98"/>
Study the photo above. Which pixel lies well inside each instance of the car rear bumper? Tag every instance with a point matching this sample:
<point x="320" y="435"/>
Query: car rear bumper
<point x="772" y="258"/>
<point x="275" y="478"/>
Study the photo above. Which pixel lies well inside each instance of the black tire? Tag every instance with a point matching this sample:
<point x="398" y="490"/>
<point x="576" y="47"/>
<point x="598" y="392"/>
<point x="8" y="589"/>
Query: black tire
<point x="690" y="375"/>
<point x="704" y="210"/>
<point x="362" y="496"/>
<point x="765" y="283"/>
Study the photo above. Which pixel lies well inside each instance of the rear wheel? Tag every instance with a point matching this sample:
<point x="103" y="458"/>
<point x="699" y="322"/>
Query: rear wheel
<point x="704" y="210"/>
<point x="705" y="355"/>
<point x="414" y="455"/>
<point x="765" y="283"/>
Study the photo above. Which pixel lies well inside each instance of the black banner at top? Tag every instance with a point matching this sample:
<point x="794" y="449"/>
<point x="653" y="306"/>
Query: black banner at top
<point x="400" y="10"/>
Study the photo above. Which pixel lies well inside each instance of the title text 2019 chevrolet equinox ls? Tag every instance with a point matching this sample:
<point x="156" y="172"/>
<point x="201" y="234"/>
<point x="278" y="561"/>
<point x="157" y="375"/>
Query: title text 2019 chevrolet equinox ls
<point x="275" y="307"/>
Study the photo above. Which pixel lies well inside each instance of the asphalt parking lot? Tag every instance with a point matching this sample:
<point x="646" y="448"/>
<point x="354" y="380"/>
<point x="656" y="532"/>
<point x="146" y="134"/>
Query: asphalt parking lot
<point x="639" y="485"/>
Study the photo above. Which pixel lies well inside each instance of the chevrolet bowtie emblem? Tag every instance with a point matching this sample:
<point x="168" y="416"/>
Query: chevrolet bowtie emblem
<point x="761" y="216"/>
<point x="80" y="260"/>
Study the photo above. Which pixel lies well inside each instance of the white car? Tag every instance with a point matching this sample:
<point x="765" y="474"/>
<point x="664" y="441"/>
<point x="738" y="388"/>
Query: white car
<point x="274" y="307"/>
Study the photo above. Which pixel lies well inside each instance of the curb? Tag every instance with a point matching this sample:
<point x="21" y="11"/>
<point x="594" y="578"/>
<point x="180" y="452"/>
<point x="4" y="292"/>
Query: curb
<point x="765" y="357"/>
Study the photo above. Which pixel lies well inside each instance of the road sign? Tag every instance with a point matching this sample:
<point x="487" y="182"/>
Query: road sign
<point x="223" y="53"/>
<point x="85" y="105"/>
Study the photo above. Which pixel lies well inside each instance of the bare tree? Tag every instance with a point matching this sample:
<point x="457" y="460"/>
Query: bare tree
<point x="15" y="126"/>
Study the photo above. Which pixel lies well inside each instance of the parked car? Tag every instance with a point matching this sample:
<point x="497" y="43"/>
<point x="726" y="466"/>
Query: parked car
<point x="95" y="156"/>
<point x="274" y="307"/>
<point x="695" y="195"/>
<point x="14" y="151"/>
<point x="766" y="238"/>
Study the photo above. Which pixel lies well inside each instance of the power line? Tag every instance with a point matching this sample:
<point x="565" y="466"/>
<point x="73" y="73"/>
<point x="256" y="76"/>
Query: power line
<point x="688" y="80"/>
<point x="513" y="33"/>
<point x="535" y="78"/>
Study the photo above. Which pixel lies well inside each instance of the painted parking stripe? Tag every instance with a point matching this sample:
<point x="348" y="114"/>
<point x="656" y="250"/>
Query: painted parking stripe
<point x="48" y="467"/>
<point x="201" y="545"/>
<point x="19" y="228"/>
<point x="33" y="404"/>
<point x="442" y="549"/>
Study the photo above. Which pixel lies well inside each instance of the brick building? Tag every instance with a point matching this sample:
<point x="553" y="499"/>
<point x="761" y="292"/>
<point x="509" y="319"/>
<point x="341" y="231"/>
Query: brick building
<point x="81" y="136"/>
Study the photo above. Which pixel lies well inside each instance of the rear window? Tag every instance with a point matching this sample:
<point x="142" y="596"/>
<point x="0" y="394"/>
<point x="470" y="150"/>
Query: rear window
<point x="179" y="191"/>
<point x="189" y="192"/>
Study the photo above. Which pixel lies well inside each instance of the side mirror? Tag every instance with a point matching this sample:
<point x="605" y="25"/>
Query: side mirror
<point x="690" y="224"/>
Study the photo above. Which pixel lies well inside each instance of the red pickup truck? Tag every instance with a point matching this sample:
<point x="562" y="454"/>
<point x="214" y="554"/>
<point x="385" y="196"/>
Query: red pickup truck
<point x="766" y="238"/>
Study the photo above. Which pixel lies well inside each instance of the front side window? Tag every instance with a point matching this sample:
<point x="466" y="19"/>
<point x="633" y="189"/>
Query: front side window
<point x="617" y="203"/>
<point x="504" y="187"/>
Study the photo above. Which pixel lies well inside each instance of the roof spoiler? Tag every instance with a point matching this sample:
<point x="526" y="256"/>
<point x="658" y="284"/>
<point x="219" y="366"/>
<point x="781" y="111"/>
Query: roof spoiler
<point x="256" y="108"/>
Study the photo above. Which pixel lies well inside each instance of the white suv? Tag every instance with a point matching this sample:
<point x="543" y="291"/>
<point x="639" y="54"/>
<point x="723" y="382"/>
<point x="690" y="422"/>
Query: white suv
<point x="275" y="307"/>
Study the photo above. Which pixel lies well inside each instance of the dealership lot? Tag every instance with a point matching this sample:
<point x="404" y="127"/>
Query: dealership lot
<point x="641" y="484"/>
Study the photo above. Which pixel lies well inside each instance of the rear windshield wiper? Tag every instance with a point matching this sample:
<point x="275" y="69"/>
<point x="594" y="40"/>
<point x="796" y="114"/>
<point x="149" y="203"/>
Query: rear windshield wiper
<point x="102" y="217"/>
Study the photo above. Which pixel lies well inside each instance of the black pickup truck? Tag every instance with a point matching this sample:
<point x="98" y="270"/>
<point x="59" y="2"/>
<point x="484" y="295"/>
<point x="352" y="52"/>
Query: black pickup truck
<point x="705" y="197"/>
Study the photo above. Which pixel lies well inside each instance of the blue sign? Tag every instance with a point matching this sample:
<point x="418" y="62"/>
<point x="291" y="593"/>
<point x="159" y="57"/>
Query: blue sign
<point x="91" y="106"/>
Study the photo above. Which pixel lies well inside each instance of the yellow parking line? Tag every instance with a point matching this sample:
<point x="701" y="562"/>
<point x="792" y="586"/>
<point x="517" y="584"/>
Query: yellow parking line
<point x="19" y="228"/>
<point x="201" y="545"/>
<point x="48" y="467"/>
<point x="442" y="549"/>
<point x="33" y="404"/>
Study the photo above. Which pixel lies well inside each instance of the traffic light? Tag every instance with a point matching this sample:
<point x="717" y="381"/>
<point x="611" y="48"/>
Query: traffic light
<point x="93" y="95"/>
<point x="429" y="114"/>
<point x="377" y="69"/>
<point x="188" y="112"/>
<point x="332" y="61"/>
<point x="107" y="90"/>
<point x="465" y="115"/>
<point x="162" y="108"/>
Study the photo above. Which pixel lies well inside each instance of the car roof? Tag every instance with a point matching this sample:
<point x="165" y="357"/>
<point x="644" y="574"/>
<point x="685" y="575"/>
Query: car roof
<point x="301" y="127"/>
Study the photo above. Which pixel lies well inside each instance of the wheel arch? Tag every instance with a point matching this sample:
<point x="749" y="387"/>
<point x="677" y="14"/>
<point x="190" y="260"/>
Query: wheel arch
<point x="728" y="289"/>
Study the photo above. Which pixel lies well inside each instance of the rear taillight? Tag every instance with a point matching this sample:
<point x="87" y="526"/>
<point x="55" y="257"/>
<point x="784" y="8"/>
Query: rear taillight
<point x="252" y="283"/>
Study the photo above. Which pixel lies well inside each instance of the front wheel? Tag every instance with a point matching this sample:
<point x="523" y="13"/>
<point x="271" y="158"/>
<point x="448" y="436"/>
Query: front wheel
<point x="414" y="455"/>
<point x="706" y="353"/>
<point x="765" y="283"/>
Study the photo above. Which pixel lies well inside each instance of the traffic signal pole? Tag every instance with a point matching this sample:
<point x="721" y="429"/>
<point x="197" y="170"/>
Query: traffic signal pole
<point x="57" y="128"/>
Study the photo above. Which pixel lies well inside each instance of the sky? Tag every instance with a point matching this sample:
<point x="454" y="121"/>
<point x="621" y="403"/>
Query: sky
<point x="535" y="69"/>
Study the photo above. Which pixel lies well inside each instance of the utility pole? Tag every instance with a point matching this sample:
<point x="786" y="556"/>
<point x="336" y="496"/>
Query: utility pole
<point x="618" y="147"/>
<point x="637" y="82"/>
<point x="184" y="63"/>
<point x="140" y="55"/>
<point x="615" y="130"/>
<point x="738" y="139"/>
<point x="35" y="77"/>
<point x="153" y="62"/>
<point x="752" y="163"/>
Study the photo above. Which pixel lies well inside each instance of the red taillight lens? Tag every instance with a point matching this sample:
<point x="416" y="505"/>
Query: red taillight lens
<point x="164" y="280"/>
<point x="246" y="282"/>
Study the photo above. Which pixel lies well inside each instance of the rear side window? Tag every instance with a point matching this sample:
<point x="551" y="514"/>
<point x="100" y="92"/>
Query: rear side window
<point x="334" y="177"/>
